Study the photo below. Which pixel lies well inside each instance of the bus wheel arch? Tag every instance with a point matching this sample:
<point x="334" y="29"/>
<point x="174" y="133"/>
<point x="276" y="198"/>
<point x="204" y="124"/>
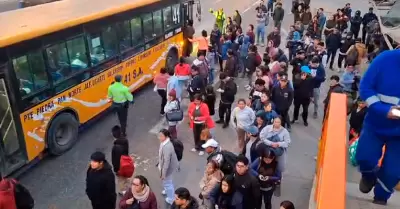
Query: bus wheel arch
<point x="62" y="132"/>
<point x="172" y="59"/>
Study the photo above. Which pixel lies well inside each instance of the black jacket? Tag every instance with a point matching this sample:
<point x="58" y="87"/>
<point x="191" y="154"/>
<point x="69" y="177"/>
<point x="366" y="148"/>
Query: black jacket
<point x="357" y="119"/>
<point x="282" y="97"/>
<point x="230" y="90"/>
<point x="249" y="187"/>
<point x="121" y="147"/>
<point x="275" y="38"/>
<point x="197" y="85"/>
<point x="333" y="41"/>
<point x="192" y="205"/>
<point x="210" y="101"/>
<point x="346" y="44"/>
<point x="368" y="17"/>
<point x="297" y="63"/>
<point x="303" y="89"/>
<point x="230" y="66"/>
<point x="253" y="149"/>
<point x="356" y="23"/>
<point x="333" y="89"/>
<point x="251" y="62"/>
<point x="100" y="187"/>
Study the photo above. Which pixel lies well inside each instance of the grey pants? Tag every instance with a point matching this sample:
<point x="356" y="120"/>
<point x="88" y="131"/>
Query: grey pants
<point x="282" y="161"/>
<point x="316" y="93"/>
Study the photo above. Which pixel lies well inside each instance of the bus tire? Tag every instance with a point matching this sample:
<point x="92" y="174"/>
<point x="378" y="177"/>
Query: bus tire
<point x="62" y="134"/>
<point x="172" y="59"/>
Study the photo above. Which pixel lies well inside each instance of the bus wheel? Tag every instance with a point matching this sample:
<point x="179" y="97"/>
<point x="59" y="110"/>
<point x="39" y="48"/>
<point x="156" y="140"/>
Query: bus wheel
<point x="172" y="59"/>
<point x="62" y="134"/>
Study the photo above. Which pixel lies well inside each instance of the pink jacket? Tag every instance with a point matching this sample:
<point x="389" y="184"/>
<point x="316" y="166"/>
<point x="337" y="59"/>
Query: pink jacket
<point x="161" y="80"/>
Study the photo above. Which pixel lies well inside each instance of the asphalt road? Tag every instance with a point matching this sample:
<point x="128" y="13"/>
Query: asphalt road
<point x="60" y="182"/>
<point x="8" y="5"/>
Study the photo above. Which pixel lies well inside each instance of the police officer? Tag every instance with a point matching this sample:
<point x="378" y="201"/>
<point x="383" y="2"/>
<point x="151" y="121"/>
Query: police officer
<point x="219" y="18"/>
<point x="303" y="92"/>
<point x="120" y="96"/>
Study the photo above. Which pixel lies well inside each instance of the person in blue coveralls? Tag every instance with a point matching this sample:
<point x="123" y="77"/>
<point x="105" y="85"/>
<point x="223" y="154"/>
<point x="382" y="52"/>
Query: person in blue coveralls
<point x="379" y="88"/>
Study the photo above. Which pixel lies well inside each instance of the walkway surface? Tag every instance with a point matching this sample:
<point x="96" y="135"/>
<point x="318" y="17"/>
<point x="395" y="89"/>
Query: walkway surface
<point x="60" y="182"/>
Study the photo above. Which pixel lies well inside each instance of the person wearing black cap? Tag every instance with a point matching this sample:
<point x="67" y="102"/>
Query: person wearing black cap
<point x="318" y="74"/>
<point x="100" y="182"/>
<point x="333" y="42"/>
<point x="298" y="61"/>
<point x="334" y="87"/>
<point x="356" y="21"/>
<point x="282" y="96"/>
<point x="367" y="18"/>
<point x="120" y="96"/>
<point x="303" y="92"/>
<point x="228" y="90"/>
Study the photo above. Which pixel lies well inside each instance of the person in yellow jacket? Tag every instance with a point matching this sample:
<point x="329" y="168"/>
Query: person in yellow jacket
<point x="219" y="18"/>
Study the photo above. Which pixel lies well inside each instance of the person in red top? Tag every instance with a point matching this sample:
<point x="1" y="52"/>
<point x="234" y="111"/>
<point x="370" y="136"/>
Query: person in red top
<point x="200" y="118"/>
<point x="7" y="199"/>
<point x="182" y="68"/>
<point x="250" y="33"/>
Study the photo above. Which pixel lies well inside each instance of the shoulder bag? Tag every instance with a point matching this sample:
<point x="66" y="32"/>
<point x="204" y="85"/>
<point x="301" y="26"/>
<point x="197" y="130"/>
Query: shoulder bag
<point x="175" y="115"/>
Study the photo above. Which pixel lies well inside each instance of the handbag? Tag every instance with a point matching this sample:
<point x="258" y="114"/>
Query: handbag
<point x="278" y="151"/>
<point x="175" y="115"/>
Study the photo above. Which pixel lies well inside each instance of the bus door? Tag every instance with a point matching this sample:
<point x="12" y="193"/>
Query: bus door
<point x="12" y="154"/>
<point x="187" y="11"/>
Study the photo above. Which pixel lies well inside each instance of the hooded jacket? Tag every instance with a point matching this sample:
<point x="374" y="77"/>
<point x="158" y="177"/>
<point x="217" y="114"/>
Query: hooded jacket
<point x="230" y="90"/>
<point x="193" y="204"/>
<point x="356" y="21"/>
<point x="208" y="182"/>
<point x="121" y="147"/>
<point x="225" y="46"/>
<point x="100" y="187"/>
<point x="275" y="38"/>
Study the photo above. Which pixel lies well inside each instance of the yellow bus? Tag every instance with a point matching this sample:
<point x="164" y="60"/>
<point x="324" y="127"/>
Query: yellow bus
<point x="57" y="61"/>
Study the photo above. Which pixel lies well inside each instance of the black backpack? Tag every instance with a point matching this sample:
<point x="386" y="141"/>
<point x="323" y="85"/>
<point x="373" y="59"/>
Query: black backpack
<point x="178" y="147"/>
<point x="23" y="197"/>
<point x="228" y="163"/>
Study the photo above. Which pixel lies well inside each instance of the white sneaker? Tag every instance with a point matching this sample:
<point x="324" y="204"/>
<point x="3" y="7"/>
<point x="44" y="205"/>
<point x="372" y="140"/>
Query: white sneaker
<point x="194" y="150"/>
<point x="201" y="153"/>
<point x="163" y="192"/>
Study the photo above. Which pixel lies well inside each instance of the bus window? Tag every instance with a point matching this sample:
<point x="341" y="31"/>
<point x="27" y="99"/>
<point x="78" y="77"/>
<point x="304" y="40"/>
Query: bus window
<point x="157" y="23"/>
<point x="136" y="29"/>
<point x="96" y="49"/>
<point x="77" y="54"/>
<point x="30" y="71"/>
<point x="148" y="27"/>
<point x="58" y="61"/>
<point x="111" y="42"/>
<point x="176" y="15"/>
<point x="167" y="14"/>
<point x="124" y="32"/>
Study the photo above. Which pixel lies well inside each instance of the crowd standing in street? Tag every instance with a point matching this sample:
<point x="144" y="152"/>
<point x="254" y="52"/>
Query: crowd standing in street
<point x="251" y="175"/>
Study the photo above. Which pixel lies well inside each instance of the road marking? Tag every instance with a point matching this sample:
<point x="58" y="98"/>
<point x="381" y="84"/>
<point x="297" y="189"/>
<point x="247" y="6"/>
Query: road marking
<point x="163" y="123"/>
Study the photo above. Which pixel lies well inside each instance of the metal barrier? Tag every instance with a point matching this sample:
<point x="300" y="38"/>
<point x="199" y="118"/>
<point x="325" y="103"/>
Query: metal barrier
<point x="330" y="179"/>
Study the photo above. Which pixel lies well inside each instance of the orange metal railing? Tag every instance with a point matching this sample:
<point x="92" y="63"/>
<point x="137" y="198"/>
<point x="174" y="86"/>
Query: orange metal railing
<point x="330" y="189"/>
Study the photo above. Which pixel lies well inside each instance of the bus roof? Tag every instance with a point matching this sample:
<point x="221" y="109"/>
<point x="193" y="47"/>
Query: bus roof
<point x="24" y="24"/>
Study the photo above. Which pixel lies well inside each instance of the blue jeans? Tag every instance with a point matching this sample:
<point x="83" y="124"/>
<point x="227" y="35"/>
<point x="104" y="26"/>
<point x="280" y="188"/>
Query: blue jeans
<point x="260" y="33"/>
<point x="168" y="186"/>
<point x="211" y="76"/>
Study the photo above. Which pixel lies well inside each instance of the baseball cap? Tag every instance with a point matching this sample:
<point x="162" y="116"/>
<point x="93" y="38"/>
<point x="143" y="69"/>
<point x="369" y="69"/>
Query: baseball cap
<point x="306" y="69"/>
<point x="284" y="78"/>
<point x="210" y="143"/>
<point x="253" y="130"/>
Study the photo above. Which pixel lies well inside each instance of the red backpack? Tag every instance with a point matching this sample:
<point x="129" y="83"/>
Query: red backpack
<point x="126" y="166"/>
<point x="7" y="198"/>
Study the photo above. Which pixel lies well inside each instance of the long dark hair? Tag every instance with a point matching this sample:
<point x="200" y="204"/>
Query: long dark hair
<point x="229" y="179"/>
<point x="143" y="180"/>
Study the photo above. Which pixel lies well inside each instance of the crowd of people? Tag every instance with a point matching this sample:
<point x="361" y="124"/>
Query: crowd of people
<point x="251" y="175"/>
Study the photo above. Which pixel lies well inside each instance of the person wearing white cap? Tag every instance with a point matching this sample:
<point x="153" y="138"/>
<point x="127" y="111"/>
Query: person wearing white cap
<point x="226" y="160"/>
